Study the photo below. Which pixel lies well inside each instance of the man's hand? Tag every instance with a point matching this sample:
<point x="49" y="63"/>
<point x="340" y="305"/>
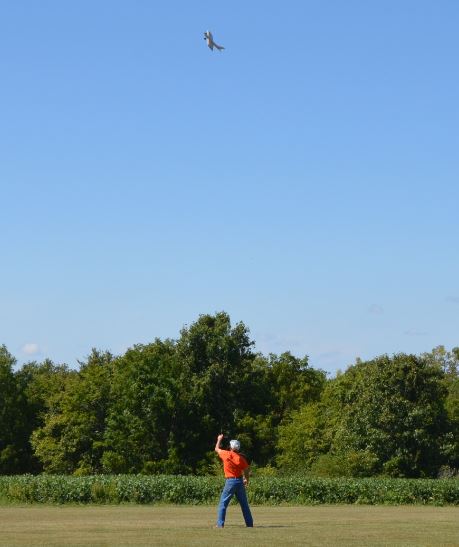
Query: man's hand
<point x="220" y="437"/>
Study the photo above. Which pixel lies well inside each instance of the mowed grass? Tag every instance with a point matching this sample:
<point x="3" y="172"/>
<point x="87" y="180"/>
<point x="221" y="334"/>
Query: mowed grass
<point x="185" y="526"/>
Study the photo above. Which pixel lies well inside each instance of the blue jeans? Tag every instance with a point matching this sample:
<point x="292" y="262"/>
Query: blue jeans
<point x="232" y="487"/>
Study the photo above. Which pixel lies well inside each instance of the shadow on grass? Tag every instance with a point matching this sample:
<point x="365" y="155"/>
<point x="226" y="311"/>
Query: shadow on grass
<point x="273" y="526"/>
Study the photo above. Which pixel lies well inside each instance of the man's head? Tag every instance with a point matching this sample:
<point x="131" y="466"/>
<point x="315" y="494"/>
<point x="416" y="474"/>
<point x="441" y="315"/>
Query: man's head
<point x="235" y="445"/>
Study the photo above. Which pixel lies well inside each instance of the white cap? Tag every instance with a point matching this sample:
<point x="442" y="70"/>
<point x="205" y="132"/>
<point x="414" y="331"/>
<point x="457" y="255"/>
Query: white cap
<point x="235" y="445"/>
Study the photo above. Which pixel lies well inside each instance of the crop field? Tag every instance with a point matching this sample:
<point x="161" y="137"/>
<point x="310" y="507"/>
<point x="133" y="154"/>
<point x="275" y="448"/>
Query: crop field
<point x="194" y="525"/>
<point x="193" y="490"/>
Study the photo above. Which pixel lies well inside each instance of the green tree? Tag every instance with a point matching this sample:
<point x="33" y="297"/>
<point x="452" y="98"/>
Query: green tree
<point x="448" y="361"/>
<point x="41" y="385"/>
<point x="13" y="433"/>
<point x="294" y="383"/>
<point x="392" y="410"/>
<point x="139" y="426"/>
<point x="215" y="373"/>
<point x="303" y="438"/>
<point x="71" y="438"/>
<point x="283" y="385"/>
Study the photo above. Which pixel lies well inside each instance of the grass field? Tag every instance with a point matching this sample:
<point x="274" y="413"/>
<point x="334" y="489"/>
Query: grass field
<point x="185" y="526"/>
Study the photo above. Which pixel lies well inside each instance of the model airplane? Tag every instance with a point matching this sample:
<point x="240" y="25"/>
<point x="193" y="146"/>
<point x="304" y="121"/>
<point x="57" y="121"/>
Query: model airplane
<point x="210" y="41"/>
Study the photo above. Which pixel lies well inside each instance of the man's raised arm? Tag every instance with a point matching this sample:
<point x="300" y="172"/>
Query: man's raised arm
<point x="219" y="440"/>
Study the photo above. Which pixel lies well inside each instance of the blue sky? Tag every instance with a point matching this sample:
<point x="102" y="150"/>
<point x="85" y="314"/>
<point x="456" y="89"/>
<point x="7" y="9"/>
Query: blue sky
<point x="305" y="179"/>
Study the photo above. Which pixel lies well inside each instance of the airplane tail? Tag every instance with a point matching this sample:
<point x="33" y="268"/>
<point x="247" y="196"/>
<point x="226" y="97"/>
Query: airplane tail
<point x="219" y="47"/>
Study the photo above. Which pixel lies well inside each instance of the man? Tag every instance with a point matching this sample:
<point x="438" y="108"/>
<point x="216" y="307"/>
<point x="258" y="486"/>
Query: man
<point x="236" y="471"/>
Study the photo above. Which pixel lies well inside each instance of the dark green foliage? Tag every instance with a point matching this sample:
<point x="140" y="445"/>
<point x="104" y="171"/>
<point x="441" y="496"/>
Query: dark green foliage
<point x="140" y="420"/>
<point x="41" y="385"/>
<point x="290" y="383"/>
<point x="14" y="448"/>
<point x="157" y="409"/>
<point x="387" y="416"/>
<point x="71" y="437"/>
<point x="393" y="409"/>
<point x="214" y="385"/>
<point x="448" y="362"/>
<point x="304" y="438"/>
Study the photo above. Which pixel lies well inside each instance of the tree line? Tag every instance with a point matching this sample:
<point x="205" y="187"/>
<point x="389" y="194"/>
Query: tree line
<point x="157" y="408"/>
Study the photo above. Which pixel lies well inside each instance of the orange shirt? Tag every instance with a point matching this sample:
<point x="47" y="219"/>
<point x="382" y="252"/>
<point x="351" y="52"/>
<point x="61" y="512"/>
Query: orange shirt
<point x="233" y="463"/>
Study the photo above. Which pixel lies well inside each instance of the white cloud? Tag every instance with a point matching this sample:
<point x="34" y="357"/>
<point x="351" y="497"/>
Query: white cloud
<point x="267" y="342"/>
<point x="376" y="309"/>
<point x="31" y="348"/>
<point x="330" y="357"/>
